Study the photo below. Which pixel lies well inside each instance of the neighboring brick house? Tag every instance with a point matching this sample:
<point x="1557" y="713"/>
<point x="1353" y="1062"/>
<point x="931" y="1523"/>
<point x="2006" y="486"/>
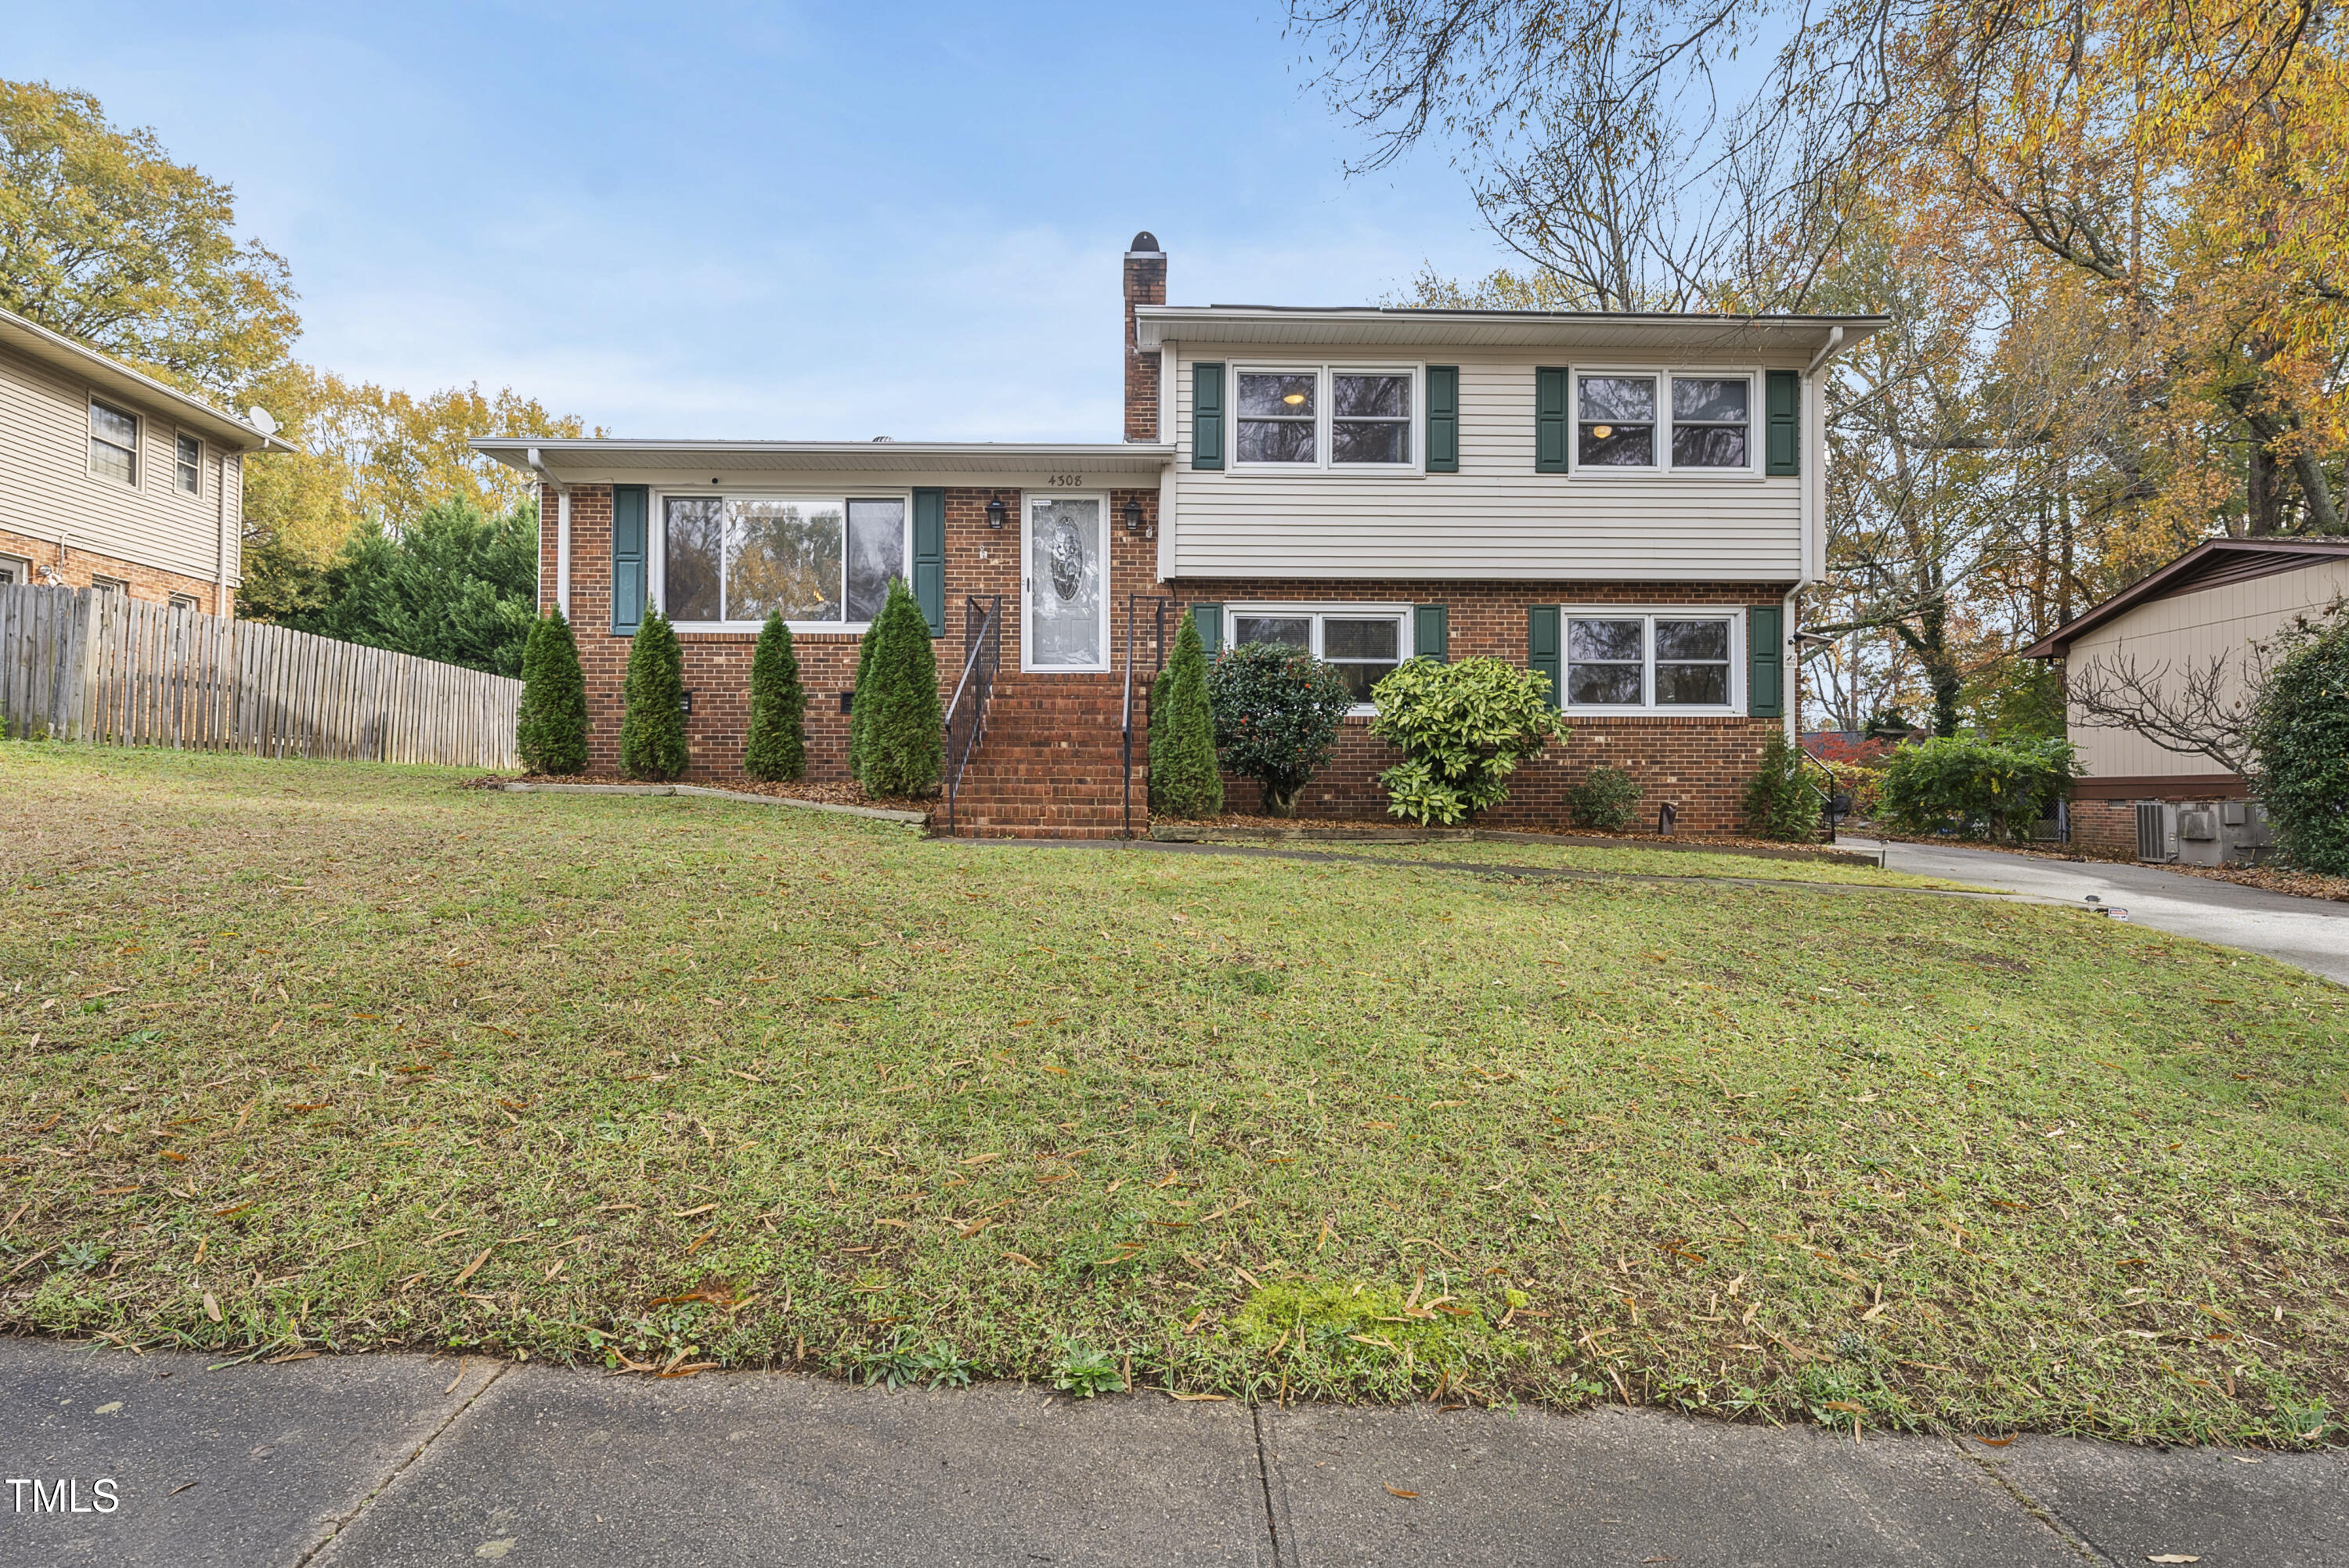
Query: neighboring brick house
<point x="2203" y="613"/>
<point x="110" y="479"/>
<point x="1632" y="504"/>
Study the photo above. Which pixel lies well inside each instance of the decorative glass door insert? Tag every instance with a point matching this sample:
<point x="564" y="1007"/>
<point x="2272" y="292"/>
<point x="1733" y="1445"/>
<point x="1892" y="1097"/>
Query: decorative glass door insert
<point x="1066" y="584"/>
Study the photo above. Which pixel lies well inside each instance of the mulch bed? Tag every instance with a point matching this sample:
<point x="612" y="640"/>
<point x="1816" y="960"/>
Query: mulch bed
<point x="843" y="792"/>
<point x="1580" y="836"/>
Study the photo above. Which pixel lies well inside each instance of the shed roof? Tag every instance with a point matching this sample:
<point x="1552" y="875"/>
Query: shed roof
<point x="2206" y="565"/>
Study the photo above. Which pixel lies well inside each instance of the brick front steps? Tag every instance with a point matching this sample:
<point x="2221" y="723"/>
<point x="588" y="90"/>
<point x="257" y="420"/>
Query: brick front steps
<point x="1051" y="764"/>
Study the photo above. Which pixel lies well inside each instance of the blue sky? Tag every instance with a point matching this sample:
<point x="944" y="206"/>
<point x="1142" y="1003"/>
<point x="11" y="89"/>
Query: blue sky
<point x="774" y="220"/>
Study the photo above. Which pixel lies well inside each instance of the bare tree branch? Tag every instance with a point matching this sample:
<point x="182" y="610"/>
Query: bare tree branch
<point x="2200" y="713"/>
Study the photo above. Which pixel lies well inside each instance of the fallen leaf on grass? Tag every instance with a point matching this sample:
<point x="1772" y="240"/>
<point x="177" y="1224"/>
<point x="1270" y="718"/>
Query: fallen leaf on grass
<point x="290" y="1355"/>
<point x="688" y="1214"/>
<point x="474" y="1268"/>
<point x="981" y="1158"/>
<point x="211" y="1306"/>
<point x="1193" y="1398"/>
<point x="1022" y="1259"/>
<point x="1995" y="1442"/>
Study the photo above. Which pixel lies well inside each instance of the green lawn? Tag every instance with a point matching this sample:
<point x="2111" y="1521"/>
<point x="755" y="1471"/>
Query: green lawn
<point x="1630" y="860"/>
<point x="323" y="1056"/>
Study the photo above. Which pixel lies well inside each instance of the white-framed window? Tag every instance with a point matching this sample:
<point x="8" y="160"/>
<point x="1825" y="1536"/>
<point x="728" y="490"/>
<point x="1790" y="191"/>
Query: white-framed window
<point x="1364" y="642"/>
<point x="187" y="463"/>
<point x="1326" y="416"/>
<point x="1658" y="421"/>
<point x="183" y="601"/>
<point x="726" y="561"/>
<point x="1654" y="661"/>
<point x="105" y="585"/>
<point x="113" y="443"/>
<point x="14" y="570"/>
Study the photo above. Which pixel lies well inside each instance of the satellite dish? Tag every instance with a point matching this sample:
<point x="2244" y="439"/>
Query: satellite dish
<point x="258" y="417"/>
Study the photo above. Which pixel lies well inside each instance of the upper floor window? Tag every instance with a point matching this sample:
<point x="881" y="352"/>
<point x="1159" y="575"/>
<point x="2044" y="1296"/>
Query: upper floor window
<point x="1674" y="659"/>
<point x="1322" y="416"/>
<point x="1641" y="420"/>
<point x="113" y="443"/>
<point x="817" y="561"/>
<point x="187" y="466"/>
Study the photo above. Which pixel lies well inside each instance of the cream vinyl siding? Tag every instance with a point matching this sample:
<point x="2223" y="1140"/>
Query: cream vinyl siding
<point x="1496" y="518"/>
<point x="2185" y="631"/>
<point x="47" y="485"/>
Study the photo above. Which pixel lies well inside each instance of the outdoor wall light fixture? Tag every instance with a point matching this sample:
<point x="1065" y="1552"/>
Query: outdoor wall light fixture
<point x="1133" y="517"/>
<point x="995" y="512"/>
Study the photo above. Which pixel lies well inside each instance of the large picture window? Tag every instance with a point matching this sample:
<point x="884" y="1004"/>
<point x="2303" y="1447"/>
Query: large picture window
<point x="816" y="561"/>
<point x="1331" y="416"/>
<point x="1364" y="643"/>
<point x="1653" y="422"/>
<point x="1663" y="660"/>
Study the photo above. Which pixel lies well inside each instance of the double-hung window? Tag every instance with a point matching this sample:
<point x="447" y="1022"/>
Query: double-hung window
<point x="1363" y="643"/>
<point x="1333" y="416"/>
<point x="818" y="561"/>
<point x="1652" y="421"/>
<point x="188" y="464"/>
<point x="1666" y="660"/>
<point x="113" y="443"/>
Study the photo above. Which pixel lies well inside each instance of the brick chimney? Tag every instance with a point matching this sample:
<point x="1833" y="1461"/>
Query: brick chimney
<point x="1145" y="284"/>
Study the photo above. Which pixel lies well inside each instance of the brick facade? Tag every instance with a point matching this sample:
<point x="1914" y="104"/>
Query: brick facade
<point x="1698" y="763"/>
<point x="76" y="566"/>
<point x="1145" y="284"/>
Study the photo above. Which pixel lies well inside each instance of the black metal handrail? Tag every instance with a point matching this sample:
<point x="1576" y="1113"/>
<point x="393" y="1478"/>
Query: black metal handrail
<point x="965" y="720"/>
<point x="1832" y="805"/>
<point x="1158" y="603"/>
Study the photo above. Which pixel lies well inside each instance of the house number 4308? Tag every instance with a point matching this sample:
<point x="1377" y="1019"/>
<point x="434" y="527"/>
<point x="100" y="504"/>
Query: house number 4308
<point x="1068" y="481"/>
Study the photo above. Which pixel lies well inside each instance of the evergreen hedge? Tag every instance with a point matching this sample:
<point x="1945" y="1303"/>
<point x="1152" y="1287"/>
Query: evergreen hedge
<point x="1183" y="779"/>
<point x="865" y="645"/>
<point x="1779" y="801"/>
<point x="776" y="744"/>
<point x="2300" y="732"/>
<point x="551" y="731"/>
<point x="901" y="749"/>
<point x="652" y="733"/>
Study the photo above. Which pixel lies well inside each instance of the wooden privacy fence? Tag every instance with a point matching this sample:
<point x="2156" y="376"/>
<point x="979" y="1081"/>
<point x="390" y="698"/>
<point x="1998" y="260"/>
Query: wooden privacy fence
<point x="91" y="665"/>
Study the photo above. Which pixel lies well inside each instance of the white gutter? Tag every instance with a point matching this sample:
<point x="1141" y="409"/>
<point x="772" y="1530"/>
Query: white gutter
<point x="562" y="537"/>
<point x="1814" y="542"/>
<point x="220" y="506"/>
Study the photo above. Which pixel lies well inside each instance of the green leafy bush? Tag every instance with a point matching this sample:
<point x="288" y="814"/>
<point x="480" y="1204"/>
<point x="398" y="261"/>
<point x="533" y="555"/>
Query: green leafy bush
<point x="1780" y="803"/>
<point x="652" y="730"/>
<point x="1973" y="786"/>
<point x="551" y="731"/>
<point x="775" y="746"/>
<point x="1184" y="779"/>
<point x="902" y="747"/>
<point x="1462" y="728"/>
<point x="1606" y="800"/>
<point x="1277" y="710"/>
<point x="2300" y="731"/>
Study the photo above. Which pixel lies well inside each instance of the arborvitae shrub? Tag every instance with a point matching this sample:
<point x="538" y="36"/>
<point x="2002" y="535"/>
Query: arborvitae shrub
<point x="551" y="732"/>
<point x="903" y="751"/>
<point x="776" y="744"/>
<point x="1183" y="779"/>
<point x="652" y="734"/>
<point x="1780" y="803"/>
<point x="856" y="709"/>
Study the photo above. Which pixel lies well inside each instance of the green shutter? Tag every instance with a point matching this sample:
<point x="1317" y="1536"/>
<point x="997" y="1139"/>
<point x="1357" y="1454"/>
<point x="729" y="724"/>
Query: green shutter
<point x="1444" y="418"/>
<point x="1765" y="662"/>
<point x="1206" y="416"/>
<point x="1210" y="619"/>
<point x="629" y="530"/>
<point x="1782" y="409"/>
<point x="930" y="558"/>
<point x="1552" y="387"/>
<point x="1431" y="632"/>
<point x="1545" y="648"/>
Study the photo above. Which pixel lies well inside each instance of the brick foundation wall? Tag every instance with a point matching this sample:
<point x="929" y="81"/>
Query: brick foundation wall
<point x="2105" y="828"/>
<point x="77" y="566"/>
<point x="1701" y="764"/>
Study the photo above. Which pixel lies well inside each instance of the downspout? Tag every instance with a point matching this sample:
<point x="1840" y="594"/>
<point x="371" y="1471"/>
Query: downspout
<point x="220" y="506"/>
<point x="1814" y="513"/>
<point x="562" y="537"/>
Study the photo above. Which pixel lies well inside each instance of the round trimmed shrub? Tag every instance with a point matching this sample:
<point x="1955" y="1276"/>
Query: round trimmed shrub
<point x="1462" y="728"/>
<point x="1606" y="800"/>
<point x="1277" y="710"/>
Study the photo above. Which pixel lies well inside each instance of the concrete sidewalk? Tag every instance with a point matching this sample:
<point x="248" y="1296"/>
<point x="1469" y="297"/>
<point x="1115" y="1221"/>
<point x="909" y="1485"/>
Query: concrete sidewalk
<point x="371" y="1462"/>
<point x="2308" y="933"/>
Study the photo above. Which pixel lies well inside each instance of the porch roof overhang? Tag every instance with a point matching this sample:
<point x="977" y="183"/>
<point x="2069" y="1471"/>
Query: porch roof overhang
<point x="585" y="456"/>
<point x="1405" y="327"/>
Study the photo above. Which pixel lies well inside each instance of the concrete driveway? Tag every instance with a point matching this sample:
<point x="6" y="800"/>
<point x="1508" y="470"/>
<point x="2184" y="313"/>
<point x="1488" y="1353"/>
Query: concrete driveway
<point x="2310" y="934"/>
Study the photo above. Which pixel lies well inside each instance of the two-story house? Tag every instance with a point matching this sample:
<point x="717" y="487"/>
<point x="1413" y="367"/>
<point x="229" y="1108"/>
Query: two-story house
<point x="110" y="479"/>
<point x="1629" y="503"/>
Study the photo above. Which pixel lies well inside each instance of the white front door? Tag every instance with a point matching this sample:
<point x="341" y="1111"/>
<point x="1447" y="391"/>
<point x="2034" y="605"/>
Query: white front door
<point x="1065" y="544"/>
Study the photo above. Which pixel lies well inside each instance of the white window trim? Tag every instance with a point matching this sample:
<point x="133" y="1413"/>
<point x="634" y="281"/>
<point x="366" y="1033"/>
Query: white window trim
<point x="197" y="493"/>
<point x="1648" y="706"/>
<point x="656" y="549"/>
<point x="1325" y="412"/>
<point x="23" y="569"/>
<point x="1662" y="375"/>
<point x="138" y="443"/>
<point x="1406" y="649"/>
<point x="1029" y="500"/>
